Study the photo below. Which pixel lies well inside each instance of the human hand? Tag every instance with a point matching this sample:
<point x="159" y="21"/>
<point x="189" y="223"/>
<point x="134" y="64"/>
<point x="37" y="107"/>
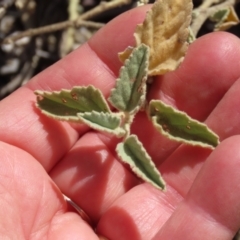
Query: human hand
<point x="41" y="157"/>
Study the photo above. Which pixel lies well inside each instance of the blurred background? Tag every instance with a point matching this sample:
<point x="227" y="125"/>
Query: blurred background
<point x="34" y="34"/>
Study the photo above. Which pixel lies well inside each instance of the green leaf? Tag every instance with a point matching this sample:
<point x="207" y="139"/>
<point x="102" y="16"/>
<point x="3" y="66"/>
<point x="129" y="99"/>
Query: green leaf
<point x="132" y="152"/>
<point x="105" y="122"/>
<point x="178" y="126"/>
<point x="225" y="18"/>
<point x="220" y="15"/>
<point x="129" y="93"/>
<point x="66" y="104"/>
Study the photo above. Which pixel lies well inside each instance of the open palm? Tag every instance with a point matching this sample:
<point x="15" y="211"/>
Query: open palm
<point x="42" y="158"/>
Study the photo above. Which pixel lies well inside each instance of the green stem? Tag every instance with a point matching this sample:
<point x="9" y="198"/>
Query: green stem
<point x="128" y="119"/>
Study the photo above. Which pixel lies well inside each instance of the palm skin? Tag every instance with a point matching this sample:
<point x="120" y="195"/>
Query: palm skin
<point x="41" y="157"/>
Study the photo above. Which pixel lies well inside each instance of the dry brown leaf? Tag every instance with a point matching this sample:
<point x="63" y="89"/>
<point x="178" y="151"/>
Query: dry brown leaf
<point x="165" y="31"/>
<point x="125" y="54"/>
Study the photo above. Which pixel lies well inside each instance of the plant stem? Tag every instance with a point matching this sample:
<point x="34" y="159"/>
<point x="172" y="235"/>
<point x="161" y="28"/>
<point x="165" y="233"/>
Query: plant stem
<point x="201" y="14"/>
<point x="103" y="6"/>
<point x="128" y="118"/>
<point x="50" y="28"/>
<point x="208" y="3"/>
<point x="69" y="33"/>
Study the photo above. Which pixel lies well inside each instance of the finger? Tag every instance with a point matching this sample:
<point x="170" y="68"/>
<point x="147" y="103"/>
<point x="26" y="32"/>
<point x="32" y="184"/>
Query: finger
<point x="46" y="139"/>
<point x="31" y="206"/>
<point x="211" y="208"/>
<point x="91" y="176"/>
<point x="184" y="163"/>
<point x="204" y="77"/>
<point x="208" y="212"/>
<point x="224" y="120"/>
<point x="63" y="176"/>
<point x="139" y="213"/>
<point x="195" y="87"/>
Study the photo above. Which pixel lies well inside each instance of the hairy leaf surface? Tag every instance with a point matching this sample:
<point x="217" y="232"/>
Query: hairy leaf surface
<point x="178" y="126"/>
<point x="225" y="18"/>
<point x="129" y="93"/>
<point x="132" y="152"/>
<point x="66" y="104"/>
<point x="165" y="31"/>
<point x="104" y="122"/>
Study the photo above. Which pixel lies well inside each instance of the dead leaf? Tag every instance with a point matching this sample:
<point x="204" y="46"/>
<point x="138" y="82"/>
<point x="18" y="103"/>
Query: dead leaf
<point x="165" y="31"/>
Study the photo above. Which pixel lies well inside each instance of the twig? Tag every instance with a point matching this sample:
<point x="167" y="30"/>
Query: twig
<point x="50" y="28"/>
<point x="201" y="14"/>
<point x="73" y="9"/>
<point x="209" y="3"/>
<point x="103" y="6"/>
<point x="142" y="2"/>
<point x="68" y="34"/>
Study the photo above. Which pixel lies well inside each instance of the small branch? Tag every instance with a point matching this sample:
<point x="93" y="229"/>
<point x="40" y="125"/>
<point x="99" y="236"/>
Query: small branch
<point x="73" y="9"/>
<point x="201" y="14"/>
<point x="50" y="28"/>
<point x="103" y="6"/>
<point x="209" y="3"/>
<point x="68" y="34"/>
<point x="142" y="2"/>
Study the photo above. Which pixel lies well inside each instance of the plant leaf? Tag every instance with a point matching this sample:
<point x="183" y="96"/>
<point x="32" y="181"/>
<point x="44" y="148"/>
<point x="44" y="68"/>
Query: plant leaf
<point x="130" y="91"/>
<point x="178" y="126"/>
<point x="165" y="31"/>
<point x="132" y="152"/>
<point x="105" y="122"/>
<point x="66" y="104"/>
<point x="220" y="15"/>
<point x="225" y="18"/>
